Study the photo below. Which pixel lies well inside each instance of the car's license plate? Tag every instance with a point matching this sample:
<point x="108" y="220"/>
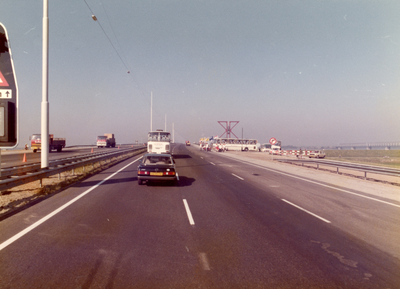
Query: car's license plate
<point x="155" y="174"/>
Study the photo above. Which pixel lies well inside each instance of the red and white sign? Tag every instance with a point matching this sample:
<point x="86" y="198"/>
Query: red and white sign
<point x="3" y="81"/>
<point x="272" y="140"/>
<point x="8" y="95"/>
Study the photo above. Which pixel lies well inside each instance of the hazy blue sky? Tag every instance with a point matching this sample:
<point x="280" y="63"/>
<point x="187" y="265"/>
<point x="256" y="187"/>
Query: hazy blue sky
<point x="305" y="72"/>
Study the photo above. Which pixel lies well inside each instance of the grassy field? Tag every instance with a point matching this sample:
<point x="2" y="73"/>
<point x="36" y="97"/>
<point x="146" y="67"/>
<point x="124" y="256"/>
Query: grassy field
<point x="386" y="158"/>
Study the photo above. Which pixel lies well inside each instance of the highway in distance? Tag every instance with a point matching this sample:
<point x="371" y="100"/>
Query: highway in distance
<point x="227" y="224"/>
<point x="14" y="158"/>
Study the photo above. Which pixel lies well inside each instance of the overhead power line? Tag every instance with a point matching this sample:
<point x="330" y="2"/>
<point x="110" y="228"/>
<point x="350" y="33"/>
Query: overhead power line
<point x="109" y="40"/>
<point x="94" y="17"/>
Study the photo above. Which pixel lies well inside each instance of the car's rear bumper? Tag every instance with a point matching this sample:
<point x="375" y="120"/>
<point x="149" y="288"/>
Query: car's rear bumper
<point x="156" y="178"/>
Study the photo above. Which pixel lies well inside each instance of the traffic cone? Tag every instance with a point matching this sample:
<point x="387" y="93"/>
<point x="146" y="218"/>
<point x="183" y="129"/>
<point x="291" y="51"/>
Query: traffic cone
<point x="24" y="159"/>
<point x="118" y="147"/>
<point x="92" y="150"/>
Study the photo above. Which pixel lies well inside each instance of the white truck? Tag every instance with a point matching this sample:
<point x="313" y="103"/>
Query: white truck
<point x="106" y="141"/>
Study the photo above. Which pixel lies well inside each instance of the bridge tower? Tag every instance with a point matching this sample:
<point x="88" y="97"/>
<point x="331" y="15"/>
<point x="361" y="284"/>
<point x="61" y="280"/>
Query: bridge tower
<point x="227" y="125"/>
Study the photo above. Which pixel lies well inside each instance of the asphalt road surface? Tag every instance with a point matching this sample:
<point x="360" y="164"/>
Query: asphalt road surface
<point x="227" y="224"/>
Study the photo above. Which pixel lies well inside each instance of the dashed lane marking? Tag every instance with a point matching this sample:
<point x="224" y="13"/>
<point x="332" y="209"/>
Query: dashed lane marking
<point x="237" y="177"/>
<point x="204" y="261"/>
<point x="189" y="214"/>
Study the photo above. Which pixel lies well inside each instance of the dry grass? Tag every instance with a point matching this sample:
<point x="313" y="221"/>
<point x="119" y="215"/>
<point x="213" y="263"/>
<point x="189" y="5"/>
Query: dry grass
<point x="385" y="158"/>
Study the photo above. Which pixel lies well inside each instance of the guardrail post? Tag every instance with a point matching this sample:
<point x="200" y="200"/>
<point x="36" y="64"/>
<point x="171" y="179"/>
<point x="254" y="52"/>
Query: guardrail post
<point x="365" y="175"/>
<point x="317" y="166"/>
<point x="337" y="170"/>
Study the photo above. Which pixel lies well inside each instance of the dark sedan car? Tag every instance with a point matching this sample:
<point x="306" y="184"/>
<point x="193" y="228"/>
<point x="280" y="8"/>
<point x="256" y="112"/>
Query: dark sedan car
<point x="157" y="167"/>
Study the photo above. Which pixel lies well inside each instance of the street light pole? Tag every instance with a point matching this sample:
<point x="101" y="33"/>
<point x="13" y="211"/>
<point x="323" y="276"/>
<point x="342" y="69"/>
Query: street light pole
<point x="45" y="88"/>
<point x="151" y="112"/>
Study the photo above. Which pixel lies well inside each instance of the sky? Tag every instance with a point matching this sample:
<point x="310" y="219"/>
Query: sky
<point x="309" y="73"/>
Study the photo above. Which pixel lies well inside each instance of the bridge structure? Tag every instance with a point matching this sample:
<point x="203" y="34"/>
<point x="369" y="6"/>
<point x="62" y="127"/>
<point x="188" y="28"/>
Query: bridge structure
<point x="227" y="125"/>
<point x="370" y="145"/>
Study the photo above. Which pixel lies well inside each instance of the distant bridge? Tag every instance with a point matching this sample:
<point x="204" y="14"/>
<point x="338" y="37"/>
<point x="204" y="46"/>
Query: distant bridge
<point x="370" y="145"/>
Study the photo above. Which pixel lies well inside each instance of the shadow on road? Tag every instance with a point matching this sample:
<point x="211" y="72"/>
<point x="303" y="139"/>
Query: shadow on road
<point x="181" y="156"/>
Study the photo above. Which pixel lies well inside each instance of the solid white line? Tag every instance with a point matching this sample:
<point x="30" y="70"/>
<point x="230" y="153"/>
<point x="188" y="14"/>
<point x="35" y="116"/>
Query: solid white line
<point x="191" y="221"/>
<point x="325" y="220"/>
<point x="317" y="183"/>
<point x="52" y="214"/>
<point x="212" y="163"/>
<point x="238" y="177"/>
<point x="177" y="177"/>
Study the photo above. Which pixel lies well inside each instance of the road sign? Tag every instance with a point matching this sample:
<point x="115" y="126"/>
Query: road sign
<point x="3" y="81"/>
<point x="272" y="140"/>
<point x="8" y="95"/>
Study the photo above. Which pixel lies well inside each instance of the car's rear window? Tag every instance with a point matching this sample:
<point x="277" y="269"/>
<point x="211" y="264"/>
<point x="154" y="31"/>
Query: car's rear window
<point x="157" y="160"/>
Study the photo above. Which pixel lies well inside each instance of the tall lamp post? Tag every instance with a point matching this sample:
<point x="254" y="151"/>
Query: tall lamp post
<point x="45" y="88"/>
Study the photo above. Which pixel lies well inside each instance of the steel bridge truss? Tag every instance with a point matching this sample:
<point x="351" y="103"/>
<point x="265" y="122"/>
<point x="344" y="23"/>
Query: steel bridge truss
<point x="228" y="128"/>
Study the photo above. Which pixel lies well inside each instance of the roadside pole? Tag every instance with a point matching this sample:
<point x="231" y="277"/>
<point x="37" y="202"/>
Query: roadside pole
<point x="45" y="87"/>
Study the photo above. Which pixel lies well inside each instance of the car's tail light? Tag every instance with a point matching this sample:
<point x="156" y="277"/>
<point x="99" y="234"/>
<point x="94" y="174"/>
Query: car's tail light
<point x="169" y="173"/>
<point x="143" y="172"/>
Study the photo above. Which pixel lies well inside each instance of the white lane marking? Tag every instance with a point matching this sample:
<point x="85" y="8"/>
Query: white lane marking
<point x="177" y="177"/>
<point x="52" y="214"/>
<point x="189" y="214"/>
<point x="212" y="163"/>
<point x="204" y="261"/>
<point x="238" y="177"/>
<point x="327" y="186"/>
<point x="202" y="158"/>
<point x="325" y="220"/>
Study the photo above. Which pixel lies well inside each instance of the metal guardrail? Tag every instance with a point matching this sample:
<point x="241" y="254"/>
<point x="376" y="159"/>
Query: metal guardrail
<point x="352" y="166"/>
<point x="20" y="175"/>
<point x="33" y="167"/>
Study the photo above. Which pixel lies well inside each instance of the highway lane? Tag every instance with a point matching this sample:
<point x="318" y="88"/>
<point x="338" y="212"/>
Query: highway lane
<point x="15" y="158"/>
<point x="355" y="212"/>
<point x="241" y="234"/>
